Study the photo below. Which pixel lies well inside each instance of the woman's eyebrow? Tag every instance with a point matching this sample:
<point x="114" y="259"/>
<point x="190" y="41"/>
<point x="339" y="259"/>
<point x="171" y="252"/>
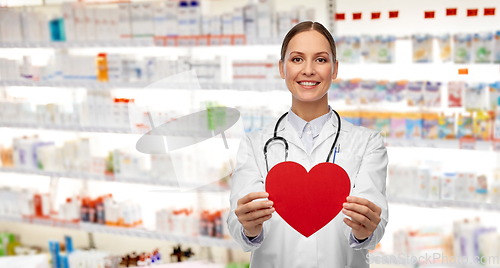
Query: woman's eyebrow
<point x="301" y="53"/>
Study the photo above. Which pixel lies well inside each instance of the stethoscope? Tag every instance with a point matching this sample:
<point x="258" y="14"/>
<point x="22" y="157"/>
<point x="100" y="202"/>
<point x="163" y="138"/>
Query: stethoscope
<point x="283" y="140"/>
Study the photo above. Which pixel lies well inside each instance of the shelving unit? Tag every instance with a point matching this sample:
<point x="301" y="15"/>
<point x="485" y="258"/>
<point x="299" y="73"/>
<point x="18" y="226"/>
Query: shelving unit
<point x="65" y="128"/>
<point x="142" y="233"/>
<point x="81" y="44"/>
<point x="260" y="86"/>
<point x="402" y="68"/>
<point x="444" y="203"/>
<point x="391" y="142"/>
<point x="442" y="144"/>
<point x="99" y="177"/>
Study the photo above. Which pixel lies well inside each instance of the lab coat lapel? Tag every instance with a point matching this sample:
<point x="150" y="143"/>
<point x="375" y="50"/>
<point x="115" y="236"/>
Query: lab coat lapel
<point x="328" y="130"/>
<point x="287" y="131"/>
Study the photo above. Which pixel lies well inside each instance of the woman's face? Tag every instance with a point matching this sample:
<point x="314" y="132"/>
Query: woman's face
<point x="308" y="67"/>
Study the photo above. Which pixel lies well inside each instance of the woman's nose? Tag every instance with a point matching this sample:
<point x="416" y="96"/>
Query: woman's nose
<point x="308" y="69"/>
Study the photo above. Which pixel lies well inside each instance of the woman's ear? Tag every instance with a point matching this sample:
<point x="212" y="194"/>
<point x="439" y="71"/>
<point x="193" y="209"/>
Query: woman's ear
<point x="335" y="70"/>
<point x="282" y="72"/>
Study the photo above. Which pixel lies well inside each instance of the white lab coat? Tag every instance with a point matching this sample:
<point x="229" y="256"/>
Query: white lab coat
<point x="362" y="154"/>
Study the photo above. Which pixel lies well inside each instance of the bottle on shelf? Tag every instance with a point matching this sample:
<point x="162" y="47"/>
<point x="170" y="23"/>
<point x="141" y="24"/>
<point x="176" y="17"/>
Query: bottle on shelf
<point x="102" y="67"/>
<point x="496" y="131"/>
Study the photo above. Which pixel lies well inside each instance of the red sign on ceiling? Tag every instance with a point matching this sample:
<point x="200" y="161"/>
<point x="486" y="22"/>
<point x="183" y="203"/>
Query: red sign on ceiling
<point x="451" y="12"/>
<point x="429" y="14"/>
<point x="356" y="16"/>
<point x="340" y="16"/>
<point x="393" y="14"/>
<point x="375" y="15"/>
<point x="489" y="11"/>
<point x="471" y="12"/>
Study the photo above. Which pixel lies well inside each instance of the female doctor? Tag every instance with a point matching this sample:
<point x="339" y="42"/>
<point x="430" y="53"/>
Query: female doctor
<point x="308" y="64"/>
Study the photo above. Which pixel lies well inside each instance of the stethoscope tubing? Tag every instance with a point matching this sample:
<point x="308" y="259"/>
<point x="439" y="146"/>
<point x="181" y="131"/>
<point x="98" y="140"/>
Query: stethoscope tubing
<point x="283" y="140"/>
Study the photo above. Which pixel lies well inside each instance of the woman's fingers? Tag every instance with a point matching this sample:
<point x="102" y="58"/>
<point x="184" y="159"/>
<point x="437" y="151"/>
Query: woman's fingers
<point x="362" y="201"/>
<point x="360" y="219"/>
<point x="252" y="196"/>
<point x="256" y="205"/>
<point x="363" y="210"/>
<point x="260" y="220"/>
<point x="252" y="213"/>
<point x="251" y="216"/>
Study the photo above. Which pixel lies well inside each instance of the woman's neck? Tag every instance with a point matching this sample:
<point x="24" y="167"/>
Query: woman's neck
<point x="310" y="110"/>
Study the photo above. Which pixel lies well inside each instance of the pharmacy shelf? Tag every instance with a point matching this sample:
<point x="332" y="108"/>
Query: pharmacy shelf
<point x="390" y="142"/>
<point x="80" y="44"/>
<point x="67" y="128"/>
<point x="444" y="203"/>
<point x="142" y="233"/>
<point x="101" y="177"/>
<point x="443" y="144"/>
<point x="256" y="86"/>
<point x="138" y="42"/>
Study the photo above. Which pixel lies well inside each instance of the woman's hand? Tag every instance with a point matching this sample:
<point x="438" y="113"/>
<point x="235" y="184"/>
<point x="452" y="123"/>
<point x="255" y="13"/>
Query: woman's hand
<point x="365" y="216"/>
<point x="253" y="214"/>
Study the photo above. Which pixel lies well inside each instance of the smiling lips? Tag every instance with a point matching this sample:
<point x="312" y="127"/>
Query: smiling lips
<point x="308" y="84"/>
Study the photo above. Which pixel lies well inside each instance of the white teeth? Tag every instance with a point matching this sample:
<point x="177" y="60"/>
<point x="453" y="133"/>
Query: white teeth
<point x="308" y="83"/>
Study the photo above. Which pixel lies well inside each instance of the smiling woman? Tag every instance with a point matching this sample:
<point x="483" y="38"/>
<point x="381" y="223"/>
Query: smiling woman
<point x="310" y="132"/>
<point x="308" y="65"/>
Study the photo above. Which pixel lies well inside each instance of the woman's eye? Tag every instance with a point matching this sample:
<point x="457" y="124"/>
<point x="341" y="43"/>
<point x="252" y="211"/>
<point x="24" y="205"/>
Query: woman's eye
<point x="321" y="60"/>
<point x="296" y="59"/>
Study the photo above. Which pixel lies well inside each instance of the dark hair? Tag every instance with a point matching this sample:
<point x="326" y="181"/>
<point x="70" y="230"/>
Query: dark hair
<point x="304" y="27"/>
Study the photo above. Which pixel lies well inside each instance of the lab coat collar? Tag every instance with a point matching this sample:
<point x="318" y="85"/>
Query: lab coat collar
<point x="286" y="130"/>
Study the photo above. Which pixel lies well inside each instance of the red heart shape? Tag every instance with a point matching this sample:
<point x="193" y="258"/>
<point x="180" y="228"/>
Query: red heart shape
<point x="307" y="201"/>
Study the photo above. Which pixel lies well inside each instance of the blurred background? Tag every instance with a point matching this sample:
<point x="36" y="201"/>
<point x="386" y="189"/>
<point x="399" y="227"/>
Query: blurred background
<point x="81" y="81"/>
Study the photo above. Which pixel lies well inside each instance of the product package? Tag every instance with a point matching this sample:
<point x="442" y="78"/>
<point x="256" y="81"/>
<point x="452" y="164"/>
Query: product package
<point x="461" y="187"/>
<point x="463" y="46"/>
<point x="494" y="95"/>
<point x="434" y="186"/>
<point x="367" y="92"/>
<point x="395" y="91"/>
<point x="423" y="183"/>
<point x="386" y="48"/>
<point x="446" y="127"/>
<point x="430" y="126"/>
<point x="352" y="117"/>
<point x="383" y="123"/>
<point x="368" y="120"/>
<point x="482" y="44"/>
<point x="482" y="126"/>
<point x="481" y="188"/>
<point x="495" y="187"/>
<point x="351" y="90"/>
<point x="381" y="90"/>
<point x="455" y="93"/>
<point x="432" y="94"/>
<point x="414" y="93"/>
<point x="369" y="49"/>
<point x="444" y="42"/>
<point x="464" y="129"/>
<point x="414" y="126"/>
<point x="475" y="96"/>
<point x="398" y="125"/>
<point x="334" y="93"/>
<point x="448" y="186"/>
<point x="496" y="122"/>
<point x="496" y="48"/>
<point x="422" y="48"/>
<point x="348" y="49"/>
